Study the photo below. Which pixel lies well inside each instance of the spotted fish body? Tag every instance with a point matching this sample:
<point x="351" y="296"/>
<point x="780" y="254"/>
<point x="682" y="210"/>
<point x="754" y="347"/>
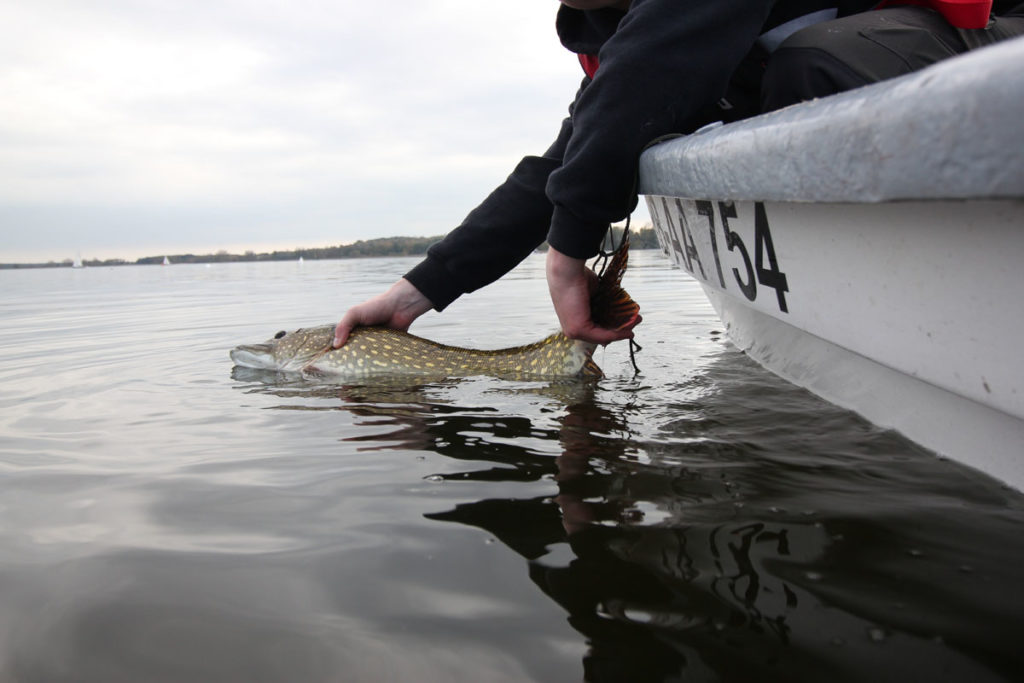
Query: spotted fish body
<point x="378" y="351"/>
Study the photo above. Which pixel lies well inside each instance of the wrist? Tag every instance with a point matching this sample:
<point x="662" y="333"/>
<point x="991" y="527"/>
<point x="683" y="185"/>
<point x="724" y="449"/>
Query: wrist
<point x="409" y="300"/>
<point x="559" y="265"/>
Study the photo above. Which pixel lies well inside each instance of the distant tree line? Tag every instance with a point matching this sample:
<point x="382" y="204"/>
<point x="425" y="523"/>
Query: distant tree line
<point x="643" y="238"/>
<point x="384" y="246"/>
<point x="639" y="238"/>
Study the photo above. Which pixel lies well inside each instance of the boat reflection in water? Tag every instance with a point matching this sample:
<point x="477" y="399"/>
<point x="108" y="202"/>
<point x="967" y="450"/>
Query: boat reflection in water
<point x="705" y="540"/>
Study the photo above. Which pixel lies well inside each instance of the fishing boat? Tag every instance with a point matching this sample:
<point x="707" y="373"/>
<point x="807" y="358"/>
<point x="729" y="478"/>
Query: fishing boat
<point x="869" y="246"/>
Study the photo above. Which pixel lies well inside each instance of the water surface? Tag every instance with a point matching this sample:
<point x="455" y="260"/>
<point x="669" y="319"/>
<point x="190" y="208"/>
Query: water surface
<point x="170" y="518"/>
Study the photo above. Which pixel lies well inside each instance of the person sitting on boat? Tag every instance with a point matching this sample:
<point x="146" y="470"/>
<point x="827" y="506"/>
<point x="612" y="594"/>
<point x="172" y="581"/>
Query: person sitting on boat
<point x="655" y="67"/>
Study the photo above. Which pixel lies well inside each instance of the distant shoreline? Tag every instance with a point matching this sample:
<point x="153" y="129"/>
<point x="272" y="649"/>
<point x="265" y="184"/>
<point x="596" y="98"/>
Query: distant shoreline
<point x="644" y="238"/>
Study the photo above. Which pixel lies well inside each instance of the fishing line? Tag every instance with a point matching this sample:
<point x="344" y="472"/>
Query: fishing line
<point x="604" y="256"/>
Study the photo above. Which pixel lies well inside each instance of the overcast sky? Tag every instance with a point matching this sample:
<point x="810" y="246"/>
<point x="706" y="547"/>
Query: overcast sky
<point x="139" y="127"/>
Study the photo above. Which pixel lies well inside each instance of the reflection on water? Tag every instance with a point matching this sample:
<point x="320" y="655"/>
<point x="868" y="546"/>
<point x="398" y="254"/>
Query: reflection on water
<point x="169" y="518"/>
<point x="715" y="547"/>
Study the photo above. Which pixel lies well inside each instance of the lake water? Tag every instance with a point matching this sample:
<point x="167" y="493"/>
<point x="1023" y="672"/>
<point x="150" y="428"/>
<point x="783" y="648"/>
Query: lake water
<point x="169" y="518"/>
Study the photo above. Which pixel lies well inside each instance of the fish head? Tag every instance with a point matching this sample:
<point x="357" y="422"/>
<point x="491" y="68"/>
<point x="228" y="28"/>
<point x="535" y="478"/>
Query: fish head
<point x="286" y="351"/>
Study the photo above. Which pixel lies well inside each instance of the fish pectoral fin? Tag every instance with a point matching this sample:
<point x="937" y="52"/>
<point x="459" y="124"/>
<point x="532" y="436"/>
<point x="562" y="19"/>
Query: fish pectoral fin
<point x="309" y="371"/>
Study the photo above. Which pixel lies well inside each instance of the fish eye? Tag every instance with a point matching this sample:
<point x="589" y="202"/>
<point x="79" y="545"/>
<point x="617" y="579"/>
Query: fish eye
<point x="280" y="334"/>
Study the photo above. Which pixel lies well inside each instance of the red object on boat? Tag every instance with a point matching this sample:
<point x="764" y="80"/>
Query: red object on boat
<point x="959" y="13"/>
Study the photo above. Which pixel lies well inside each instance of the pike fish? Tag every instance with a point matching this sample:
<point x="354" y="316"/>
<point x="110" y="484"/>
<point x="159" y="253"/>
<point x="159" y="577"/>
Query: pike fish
<point x="378" y="352"/>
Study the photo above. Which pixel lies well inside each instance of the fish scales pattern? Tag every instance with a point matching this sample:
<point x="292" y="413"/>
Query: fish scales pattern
<point x="374" y="350"/>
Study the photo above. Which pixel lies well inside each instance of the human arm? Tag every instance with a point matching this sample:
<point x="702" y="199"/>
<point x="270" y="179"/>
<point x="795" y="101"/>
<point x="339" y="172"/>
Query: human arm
<point x="499" y="233"/>
<point x="661" y="72"/>
<point x="570" y="284"/>
<point x="662" y="65"/>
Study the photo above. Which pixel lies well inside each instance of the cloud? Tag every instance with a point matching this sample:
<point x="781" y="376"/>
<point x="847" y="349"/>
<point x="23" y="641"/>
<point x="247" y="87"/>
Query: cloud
<point x="150" y="124"/>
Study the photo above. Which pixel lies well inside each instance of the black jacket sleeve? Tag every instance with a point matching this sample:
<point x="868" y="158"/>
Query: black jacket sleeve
<point x="667" y="60"/>
<point x="662" y="63"/>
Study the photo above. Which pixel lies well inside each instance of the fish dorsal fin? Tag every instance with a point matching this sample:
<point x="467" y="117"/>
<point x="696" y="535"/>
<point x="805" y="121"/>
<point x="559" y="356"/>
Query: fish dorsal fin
<point x="610" y="305"/>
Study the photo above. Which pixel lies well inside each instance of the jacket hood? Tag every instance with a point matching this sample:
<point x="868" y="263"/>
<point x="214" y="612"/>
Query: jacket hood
<point x="585" y="31"/>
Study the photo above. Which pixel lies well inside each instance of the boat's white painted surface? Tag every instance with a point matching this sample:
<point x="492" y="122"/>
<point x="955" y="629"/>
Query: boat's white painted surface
<point x="969" y="432"/>
<point x="932" y="289"/>
<point x="909" y="313"/>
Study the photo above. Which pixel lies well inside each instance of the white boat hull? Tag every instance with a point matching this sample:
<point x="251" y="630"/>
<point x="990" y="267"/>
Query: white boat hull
<point x="870" y="247"/>
<point x="907" y="313"/>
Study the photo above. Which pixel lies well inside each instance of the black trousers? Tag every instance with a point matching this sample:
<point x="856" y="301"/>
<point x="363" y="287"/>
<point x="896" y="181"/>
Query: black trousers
<point x="842" y="54"/>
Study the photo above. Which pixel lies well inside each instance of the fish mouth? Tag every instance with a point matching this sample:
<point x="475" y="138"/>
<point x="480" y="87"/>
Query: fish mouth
<point x="257" y="356"/>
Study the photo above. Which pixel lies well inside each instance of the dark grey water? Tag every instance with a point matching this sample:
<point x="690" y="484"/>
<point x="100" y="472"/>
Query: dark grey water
<point x="166" y="518"/>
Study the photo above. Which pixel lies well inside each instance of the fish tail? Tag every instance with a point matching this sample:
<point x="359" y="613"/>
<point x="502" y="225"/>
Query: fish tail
<point x="610" y="304"/>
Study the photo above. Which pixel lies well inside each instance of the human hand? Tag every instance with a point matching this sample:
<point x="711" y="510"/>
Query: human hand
<point x="570" y="284"/>
<point x="396" y="308"/>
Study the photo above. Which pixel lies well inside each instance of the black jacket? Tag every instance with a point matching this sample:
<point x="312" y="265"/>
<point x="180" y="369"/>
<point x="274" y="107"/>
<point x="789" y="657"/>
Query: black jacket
<point x="664" y="66"/>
